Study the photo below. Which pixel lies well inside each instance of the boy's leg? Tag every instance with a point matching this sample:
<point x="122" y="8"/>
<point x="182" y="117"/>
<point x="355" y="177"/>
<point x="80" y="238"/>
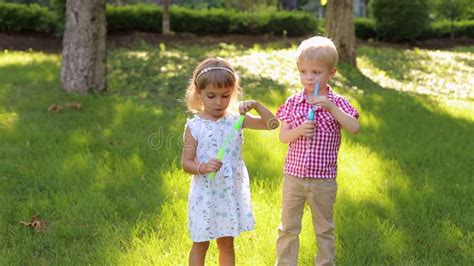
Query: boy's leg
<point x="293" y="199"/>
<point x="226" y="251"/>
<point x="321" y="198"/>
<point x="197" y="255"/>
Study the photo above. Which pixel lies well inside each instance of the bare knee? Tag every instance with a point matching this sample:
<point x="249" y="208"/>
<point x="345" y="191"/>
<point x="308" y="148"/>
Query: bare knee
<point x="201" y="246"/>
<point x="225" y="244"/>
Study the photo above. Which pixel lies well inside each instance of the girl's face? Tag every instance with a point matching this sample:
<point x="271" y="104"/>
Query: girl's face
<point x="216" y="100"/>
<point x="312" y="72"/>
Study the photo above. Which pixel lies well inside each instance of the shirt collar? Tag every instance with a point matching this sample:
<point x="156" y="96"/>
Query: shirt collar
<point x="301" y="96"/>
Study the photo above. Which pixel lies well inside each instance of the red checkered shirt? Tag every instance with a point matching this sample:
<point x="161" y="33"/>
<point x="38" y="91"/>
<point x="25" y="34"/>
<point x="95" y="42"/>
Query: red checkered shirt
<point x="316" y="157"/>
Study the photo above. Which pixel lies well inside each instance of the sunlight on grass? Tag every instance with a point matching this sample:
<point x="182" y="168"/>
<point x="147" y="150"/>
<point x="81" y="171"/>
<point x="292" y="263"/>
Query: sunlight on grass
<point x="456" y="108"/>
<point x="440" y="73"/>
<point x="81" y="138"/>
<point x="8" y="58"/>
<point x="138" y="54"/>
<point x="78" y="163"/>
<point x="364" y="176"/>
<point x="168" y="236"/>
<point x="8" y="119"/>
<point x="122" y="110"/>
<point x="277" y="65"/>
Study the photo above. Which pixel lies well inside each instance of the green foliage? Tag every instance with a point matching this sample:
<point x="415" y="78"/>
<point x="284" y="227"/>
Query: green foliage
<point x="452" y="9"/>
<point x="209" y="21"/>
<point x="364" y="28"/>
<point x="139" y="17"/>
<point x="25" y="18"/>
<point x="442" y="29"/>
<point x="147" y="17"/>
<point x="58" y="8"/>
<point x="400" y="20"/>
<point x="39" y="2"/>
<point x="248" y="5"/>
<point x="292" y="23"/>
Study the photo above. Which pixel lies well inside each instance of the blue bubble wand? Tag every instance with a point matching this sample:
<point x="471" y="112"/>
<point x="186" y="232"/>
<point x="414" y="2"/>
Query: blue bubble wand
<point x="311" y="116"/>
<point x="315" y="94"/>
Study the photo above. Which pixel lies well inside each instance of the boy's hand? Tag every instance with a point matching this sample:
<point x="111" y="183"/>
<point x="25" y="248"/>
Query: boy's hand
<point x="213" y="165"/>
<point x="246" y="106"/>
<point x="322" y="101"/>
<point x="307" y="128"/>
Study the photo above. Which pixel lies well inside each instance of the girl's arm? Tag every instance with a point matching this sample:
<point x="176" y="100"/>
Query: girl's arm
<point x="188" y="158"/>
<point x="267" y="119"/>
<point x="288" y="134"/>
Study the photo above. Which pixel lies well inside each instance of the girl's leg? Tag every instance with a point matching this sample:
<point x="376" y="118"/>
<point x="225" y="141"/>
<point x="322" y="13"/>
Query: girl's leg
<point x="226" y="251"/>
<point x="197" y="255"/>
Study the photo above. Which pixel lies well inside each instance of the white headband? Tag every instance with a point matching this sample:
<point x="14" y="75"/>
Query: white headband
<point x="207" y="69"/>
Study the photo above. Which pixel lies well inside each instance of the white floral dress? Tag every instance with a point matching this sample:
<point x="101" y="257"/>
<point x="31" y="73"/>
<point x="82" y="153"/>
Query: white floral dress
<point x="221" y="206"/>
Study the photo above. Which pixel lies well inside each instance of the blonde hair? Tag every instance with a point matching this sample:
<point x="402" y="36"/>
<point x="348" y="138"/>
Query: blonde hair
<point x="216" y="72"/>
<point x="318" y="49"/>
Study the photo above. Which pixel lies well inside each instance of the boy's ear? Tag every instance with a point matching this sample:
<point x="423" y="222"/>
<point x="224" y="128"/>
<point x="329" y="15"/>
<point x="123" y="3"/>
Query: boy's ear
<point x="332" y="73"/>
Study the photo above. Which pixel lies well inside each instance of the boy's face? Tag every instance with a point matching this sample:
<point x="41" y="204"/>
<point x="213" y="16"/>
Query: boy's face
<point x="312" y="72"/>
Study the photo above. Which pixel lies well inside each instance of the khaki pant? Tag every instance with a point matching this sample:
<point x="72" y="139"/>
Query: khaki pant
<point x="321" y="195"/>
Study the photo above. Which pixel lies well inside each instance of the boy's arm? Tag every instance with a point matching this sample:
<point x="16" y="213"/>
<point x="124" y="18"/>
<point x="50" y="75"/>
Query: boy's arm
<point x="347" y="122"/>
<point x="288" y="134"/>
<point x="267" y="119"/>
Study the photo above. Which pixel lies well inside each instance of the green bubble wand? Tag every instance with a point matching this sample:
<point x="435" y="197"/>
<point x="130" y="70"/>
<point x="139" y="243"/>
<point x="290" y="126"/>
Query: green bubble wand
<point x="220" y="154"/>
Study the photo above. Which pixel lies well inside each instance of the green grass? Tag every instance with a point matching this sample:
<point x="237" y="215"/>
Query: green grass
<point x="107" y="177"/>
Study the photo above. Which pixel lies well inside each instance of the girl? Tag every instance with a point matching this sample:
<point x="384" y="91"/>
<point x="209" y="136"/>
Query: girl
<point x="218" y="208"/>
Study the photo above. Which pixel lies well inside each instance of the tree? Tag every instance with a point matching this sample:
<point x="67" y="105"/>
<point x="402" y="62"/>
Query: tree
<point x="400" y="20"/>
<point x="84" y="56"/>
<point x="165" y="21"/>
<point x="340" y="28"/>
<point x="453" y="10"/>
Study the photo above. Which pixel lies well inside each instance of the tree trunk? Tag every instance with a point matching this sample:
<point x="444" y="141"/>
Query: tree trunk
<point x="84" y="56"/>
<point x="340" y="28"/>
<point x="165" y="23"/>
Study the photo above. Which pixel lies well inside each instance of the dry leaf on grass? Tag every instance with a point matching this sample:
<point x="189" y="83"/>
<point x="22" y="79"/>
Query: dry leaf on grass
<point x="54" y="108"/>
<point x="38" y="224"/>
<point x="73" y="105"/>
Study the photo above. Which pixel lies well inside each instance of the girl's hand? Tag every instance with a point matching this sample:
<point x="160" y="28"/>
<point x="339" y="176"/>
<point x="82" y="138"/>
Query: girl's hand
<point x="246" y="106"/>
<point x="322" y="101"/>
<point x="307" y="128"/>
<point x="213" y="165"/>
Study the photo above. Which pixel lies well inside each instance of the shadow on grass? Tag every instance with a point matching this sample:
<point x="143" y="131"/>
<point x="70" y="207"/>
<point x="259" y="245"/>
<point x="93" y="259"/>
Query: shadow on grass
<point x="425" y="220"/>
<point x="93" y="173"/>
<point x="397" y="64"/>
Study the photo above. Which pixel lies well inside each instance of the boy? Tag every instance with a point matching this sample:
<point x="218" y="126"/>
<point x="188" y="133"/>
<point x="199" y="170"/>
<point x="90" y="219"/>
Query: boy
<point x="311" y="161"/>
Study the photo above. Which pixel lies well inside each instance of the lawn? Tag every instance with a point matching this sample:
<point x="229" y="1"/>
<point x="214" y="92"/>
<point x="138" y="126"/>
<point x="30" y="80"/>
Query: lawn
<point x="107" y="179"/>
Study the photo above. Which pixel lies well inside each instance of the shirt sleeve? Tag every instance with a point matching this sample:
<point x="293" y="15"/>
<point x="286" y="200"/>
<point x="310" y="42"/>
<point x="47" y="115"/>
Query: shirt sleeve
<point x="344" y="104"/>
<point x="192" y="127"/>
<point x="284" y="112"/>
